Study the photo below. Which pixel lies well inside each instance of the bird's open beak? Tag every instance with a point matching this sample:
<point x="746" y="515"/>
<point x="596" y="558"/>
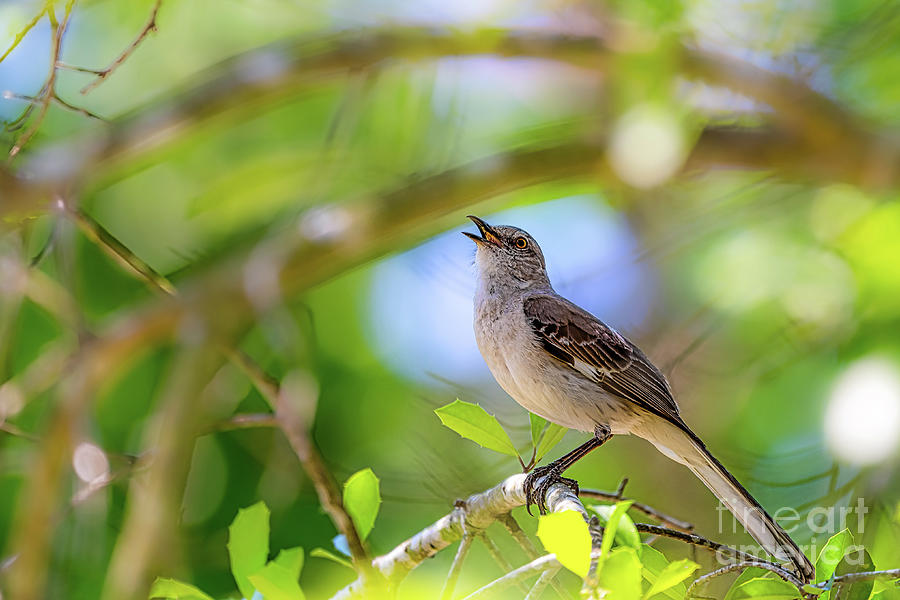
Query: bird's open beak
<point x="488" y="235"/>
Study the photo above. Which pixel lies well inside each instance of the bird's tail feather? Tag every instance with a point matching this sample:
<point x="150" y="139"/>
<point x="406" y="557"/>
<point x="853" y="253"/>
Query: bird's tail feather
<point x="743" y="506"/>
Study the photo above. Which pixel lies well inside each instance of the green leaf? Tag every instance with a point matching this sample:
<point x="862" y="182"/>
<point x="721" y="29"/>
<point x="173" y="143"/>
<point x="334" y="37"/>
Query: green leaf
<point x="620" y="575"/>
<point x="654" y="563"/>
<point x="763" y="588"/>
<point x="831" y="554"/>
<point x="248" y="544"/>
<point x="612" y="517"/>
<point x="323" y="553"/>
<point x="292" y="560"/>
<point x="474" y="423"/>
<point x="362" y="498"/>
<point x="672" y="575"/>
<point x="811" y="589"/>
<point x="537" y="428"/>
<point x="747" y="575"/>
<point x="566" y="535"/>
<point x="552" y="436"/>
<point x="172" y="589"/>
<point x="275" y="582"/>
<point x="856" y="559"/>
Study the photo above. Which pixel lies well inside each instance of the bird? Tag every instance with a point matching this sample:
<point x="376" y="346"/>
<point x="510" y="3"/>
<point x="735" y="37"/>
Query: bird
<point x="562" y="363"/>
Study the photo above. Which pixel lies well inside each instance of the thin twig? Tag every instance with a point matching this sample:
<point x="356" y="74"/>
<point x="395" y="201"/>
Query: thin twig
<point x="47" y="246"/>
<point x="21" y="35"/>
<point x="107" y="242"/>
<point x="78" y="109"/>
<point x="704" y="579"/>
<point x="102" y="74"/>
<point x="287" y="418"/>
<point x="660" y="516"/>
<point x="531" y="552"/>
<point x="49" y="88"/>
<point x="14" y="431"/>
<point x="537" y="589"/>
<point x="246" y="421"/>
<point x="498" y="557"/>
<point x="698" y="541"/>
<point x="863" y="576"/>
<point x="515" y="530"/>
<point x="289" y="413"/>
<point x="453" y="575"/>
<point x="516" y="576"/>
<point x="55" y="98"/>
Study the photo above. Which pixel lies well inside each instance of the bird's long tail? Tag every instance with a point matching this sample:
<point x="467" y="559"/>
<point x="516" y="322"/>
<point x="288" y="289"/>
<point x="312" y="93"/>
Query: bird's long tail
<point x="692" y="453"/>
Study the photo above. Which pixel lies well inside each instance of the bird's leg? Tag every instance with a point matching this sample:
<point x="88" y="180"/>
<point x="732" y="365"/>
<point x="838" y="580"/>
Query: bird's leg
<point x="541" y="478"/>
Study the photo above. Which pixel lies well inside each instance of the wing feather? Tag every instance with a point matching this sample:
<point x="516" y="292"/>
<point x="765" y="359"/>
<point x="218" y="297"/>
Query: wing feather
<point x="580" y="340"/>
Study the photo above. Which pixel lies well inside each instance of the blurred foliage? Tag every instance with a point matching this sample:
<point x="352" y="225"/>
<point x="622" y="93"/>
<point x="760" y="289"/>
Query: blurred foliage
<point x="763" y="285"/>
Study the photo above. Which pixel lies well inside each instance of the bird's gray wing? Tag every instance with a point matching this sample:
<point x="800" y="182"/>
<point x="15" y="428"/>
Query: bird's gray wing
<point x="577" y="338"/>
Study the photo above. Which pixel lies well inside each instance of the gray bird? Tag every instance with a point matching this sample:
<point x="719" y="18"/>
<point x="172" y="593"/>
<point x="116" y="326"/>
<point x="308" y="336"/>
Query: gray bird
<point x="562" y="363"/>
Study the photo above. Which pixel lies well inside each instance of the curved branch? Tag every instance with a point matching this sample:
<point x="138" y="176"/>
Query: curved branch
<point x="473" y="515"/>
<point x="540" y="566"/>
<point x="705" y="579"/>
<point x="830" y="140"/>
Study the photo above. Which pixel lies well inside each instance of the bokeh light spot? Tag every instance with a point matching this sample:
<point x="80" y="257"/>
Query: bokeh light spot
<point x="646" y="147"/>
<point x="90" y="463"/>
<point x="862" y="420"/>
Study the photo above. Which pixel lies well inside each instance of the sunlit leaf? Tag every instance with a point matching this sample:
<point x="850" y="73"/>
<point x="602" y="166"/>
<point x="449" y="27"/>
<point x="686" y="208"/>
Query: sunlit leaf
<point x="812" y="589"/>
<point x="248" y="544"/>
<point x="566" y="535"/>
<point x="672" y="575"/>
<point x="474" y="423"/>
<point x="537" y="428"/>
<point x="620" y="575"/>
<point x="172" y="589"/>
<point x="323" y="553"/>
<point x="856" y="559"/>
<point x="653" y="564"/>
<point x="292" y="560"/>
<point x="275" y="582"/>
<point x="552" y="436"/>
<point x="747" y="575"/>
<point x="832" y="553"/>
<point x="613" y="518"/>
<point x="763" y="588"/>
<point x="362" y="498"/>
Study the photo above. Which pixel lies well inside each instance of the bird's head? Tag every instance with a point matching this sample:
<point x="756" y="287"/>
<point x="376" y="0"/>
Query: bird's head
<point x="508" y="255"/>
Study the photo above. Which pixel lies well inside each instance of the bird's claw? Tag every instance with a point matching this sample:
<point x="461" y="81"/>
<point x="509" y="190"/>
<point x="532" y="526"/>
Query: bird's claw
<point x="538" y="482"/>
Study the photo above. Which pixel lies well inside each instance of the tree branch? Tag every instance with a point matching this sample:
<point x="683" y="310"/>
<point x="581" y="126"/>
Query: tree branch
<point x="456" y="567"/>
<point x="618" y="496"/>
<point x="48" y="90"/>
<point x="540" y="565"/>
<point x="288" y="411"/>
<point x="538" y="588"/>
<point x="705" y="579"/>
<point x="102" y="74"/>
<point x="476" y="513"/>
<point x="808" y="123"/>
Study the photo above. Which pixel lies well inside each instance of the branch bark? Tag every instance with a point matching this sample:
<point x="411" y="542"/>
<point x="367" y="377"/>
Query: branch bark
<point x="468" y="518"/>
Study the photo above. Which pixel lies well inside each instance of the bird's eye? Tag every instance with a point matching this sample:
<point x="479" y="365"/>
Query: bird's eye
<point x="521" y="243"/>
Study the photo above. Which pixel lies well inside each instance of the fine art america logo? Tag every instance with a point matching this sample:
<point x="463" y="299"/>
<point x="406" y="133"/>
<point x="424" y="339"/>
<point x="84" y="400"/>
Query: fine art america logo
<point x="822" y="521"/>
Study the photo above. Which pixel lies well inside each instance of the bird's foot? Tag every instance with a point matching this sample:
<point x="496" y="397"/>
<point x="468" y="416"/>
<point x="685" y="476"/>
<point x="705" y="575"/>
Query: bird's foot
<point x="538" y="482"/>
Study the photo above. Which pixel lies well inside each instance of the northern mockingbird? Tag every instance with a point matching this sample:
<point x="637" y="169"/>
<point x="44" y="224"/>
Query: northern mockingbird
<point x="562" y="363"/>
